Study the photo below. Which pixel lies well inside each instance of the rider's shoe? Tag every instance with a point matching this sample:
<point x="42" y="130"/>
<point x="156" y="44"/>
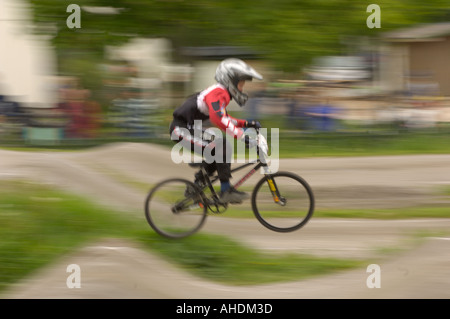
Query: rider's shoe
<point x="233" y="196"/>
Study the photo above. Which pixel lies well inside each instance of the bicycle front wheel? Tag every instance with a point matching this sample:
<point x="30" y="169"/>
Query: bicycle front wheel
<point x="283" y="202"/>
<point x="174" y="208"/>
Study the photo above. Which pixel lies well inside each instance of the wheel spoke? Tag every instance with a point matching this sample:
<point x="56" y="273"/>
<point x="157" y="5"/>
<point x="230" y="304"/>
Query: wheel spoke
<point x="174" y="208"/>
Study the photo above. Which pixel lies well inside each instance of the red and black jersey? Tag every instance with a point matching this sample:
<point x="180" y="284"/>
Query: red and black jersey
<point x="210" y="104"/>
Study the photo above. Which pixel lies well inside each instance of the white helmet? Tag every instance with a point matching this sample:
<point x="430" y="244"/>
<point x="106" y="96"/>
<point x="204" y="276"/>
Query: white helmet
<point x="230" y="72"/>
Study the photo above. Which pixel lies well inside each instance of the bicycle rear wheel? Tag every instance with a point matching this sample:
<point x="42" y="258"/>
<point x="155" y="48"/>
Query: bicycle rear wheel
<point x="174" y="208"/>
<point x="283" y="202"/>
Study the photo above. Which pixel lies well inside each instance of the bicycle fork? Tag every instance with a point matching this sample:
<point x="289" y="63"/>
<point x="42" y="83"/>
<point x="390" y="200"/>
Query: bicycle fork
<point x="277" y="198"/>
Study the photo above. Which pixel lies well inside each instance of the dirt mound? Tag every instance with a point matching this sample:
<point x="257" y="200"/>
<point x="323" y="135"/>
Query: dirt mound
<point x="117" y="269"/>
<point x="110" y="174"/>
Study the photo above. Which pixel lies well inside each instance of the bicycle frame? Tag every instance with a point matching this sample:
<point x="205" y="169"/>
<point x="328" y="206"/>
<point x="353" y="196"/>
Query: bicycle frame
<point x="258" y="164"/>
<point x="198" y="201"/>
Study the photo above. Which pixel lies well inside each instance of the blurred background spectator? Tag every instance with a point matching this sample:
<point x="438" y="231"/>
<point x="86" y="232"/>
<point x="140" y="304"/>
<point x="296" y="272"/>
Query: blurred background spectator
<point x="123" y="72"/>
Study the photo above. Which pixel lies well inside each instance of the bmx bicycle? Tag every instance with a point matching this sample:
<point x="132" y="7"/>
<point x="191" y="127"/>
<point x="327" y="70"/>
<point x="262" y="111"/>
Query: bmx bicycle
<point x="281" y="201"/>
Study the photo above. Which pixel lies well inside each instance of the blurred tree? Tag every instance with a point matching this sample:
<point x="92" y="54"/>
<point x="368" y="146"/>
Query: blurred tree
<point x="288" y="32"/>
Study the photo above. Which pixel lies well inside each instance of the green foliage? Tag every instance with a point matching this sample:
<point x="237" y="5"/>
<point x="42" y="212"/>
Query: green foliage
<point x="287" y="32"/>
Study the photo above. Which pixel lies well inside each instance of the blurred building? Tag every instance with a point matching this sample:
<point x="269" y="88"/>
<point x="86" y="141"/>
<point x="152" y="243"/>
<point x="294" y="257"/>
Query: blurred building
<point x="27" y="61"/>
<point x="416" y="60"/>
<point x="339" y="69"/>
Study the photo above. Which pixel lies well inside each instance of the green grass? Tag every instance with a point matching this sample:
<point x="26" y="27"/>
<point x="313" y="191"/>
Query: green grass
<point x="444" y="190"/>
<point x="354" y="141"/>
<point x="244" y="211"/>
<point x="39" y="224"/>
<point x="221" y="259"/>
<point x="364" y="144"/>
<point x="397" y="213"/>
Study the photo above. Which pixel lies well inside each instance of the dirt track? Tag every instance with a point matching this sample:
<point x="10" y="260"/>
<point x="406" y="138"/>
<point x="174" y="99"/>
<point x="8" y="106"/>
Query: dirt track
<point x="114" y="269"/>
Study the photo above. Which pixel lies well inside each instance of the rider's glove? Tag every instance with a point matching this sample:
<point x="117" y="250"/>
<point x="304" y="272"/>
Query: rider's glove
<point x="249" y="142"/>
<point x="254" y="124"/>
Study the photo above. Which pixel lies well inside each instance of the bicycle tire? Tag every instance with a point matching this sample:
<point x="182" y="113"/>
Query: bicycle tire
<point x="303" y="188"/>
<point x="155" y="205"/>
